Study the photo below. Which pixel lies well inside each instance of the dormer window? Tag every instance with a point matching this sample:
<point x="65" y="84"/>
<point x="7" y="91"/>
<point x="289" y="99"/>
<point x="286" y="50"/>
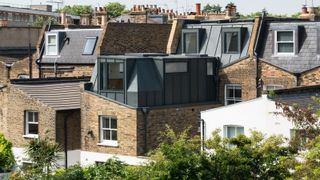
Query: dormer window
<point x="89" y="45"/>
<point x="51" y="44"/>
<point x="231" y="40"/>
<point x="190" y="41"/>
<point x="284" y="42"/>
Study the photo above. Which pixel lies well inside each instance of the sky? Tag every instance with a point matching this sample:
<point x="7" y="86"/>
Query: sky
<point x="244" y="6"/>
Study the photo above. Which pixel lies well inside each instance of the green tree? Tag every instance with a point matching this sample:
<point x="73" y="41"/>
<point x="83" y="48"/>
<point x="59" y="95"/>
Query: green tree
<point x="77" y="10"/>
<point x="41" y="21"/>
<point x="115" y="9"/>
<point x="44" y="155"/>
<point x="6" y="156"/>
<point x="212" y="8"/>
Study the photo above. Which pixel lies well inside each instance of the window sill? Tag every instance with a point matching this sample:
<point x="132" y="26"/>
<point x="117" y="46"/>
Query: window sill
<point x="31" y="136"/>
<point x="109" y="144"/>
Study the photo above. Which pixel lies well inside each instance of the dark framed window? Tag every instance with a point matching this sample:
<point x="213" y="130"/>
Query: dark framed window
<point x="31" y="123"/>
<point x="232" y="93"/>
<point x="231" y="42"/>
<point x="176" y="67"/>
<point x="115" y="76"/>
<point x="89" y="45"/>
<point x="190" y="41"/>
<point x="108" y="129"/>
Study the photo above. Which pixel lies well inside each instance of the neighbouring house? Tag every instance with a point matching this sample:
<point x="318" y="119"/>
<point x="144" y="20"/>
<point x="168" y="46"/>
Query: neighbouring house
<point x="42" y="108"/>
<point x="233" y="43"/>
<point x="259" y="114"/>
<point x="71" y="51"/>
<point x="132" y="97"/>
<point x="15" y="52"/>
<point x="29" y="15"/>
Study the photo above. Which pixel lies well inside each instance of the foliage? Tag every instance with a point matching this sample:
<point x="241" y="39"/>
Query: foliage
<point x="44" y="156"/>
<point x="40" y="21"/>
<point x="212" y="8"/>
<point x="6" y="156"/>
<point x="111" y="169"/>
<point x="115" y="9"/>
<point x="251" y="157"/>
<point x="77" y="10"/>
<point x="72" y="173"/>
<point x="178" y="157"/>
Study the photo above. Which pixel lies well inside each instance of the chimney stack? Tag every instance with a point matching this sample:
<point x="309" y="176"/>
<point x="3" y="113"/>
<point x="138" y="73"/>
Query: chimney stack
<point x="63" y="18"/>
<point x="198" y="8"/>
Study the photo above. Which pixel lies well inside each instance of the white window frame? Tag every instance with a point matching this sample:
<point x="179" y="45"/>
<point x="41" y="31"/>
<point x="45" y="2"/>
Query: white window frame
<point x="225" y="130"/>
<point x="276" y="42"/>
<point x="233" y="98"/>
<point x="105" y="142"/>
<point x="47" y="44"/>
<point x="27" y="123"/>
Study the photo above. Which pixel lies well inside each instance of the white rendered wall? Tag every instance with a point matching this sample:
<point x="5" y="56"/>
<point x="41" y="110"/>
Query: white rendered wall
<point x="257" y="114"/>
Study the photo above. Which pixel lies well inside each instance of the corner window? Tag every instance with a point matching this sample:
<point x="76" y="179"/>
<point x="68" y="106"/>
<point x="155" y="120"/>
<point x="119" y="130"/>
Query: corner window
<point x="190" y="41"/>
<point x="115" y="76"/>
<point x="176" y="67"/>
<point x="284" y="42"/>
<point x="31" y="122"/>
<point x="232" y="94"/>
<point x="51" y="44"/>
<point x="231" y="42"/>
<point x="209" y="68"/>
<point x="89" y="45"/>
<point x="230" y="131"/>
<point x="108" y="130"/>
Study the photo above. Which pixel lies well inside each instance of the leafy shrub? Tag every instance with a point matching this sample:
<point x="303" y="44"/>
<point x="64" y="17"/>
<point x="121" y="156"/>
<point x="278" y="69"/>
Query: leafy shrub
<point x="72" y="173"/>
<point x="6" y="156"/>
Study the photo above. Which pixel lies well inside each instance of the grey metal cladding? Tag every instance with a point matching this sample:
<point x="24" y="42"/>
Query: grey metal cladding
<point x="306" y="55"/>
<point x="73" y="43"/>
<point x="211" y="42"/>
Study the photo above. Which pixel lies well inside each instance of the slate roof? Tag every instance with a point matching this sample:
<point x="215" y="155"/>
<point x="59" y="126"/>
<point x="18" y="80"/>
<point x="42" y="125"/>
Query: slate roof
<point x="308" y="56"/>
<point x="301" y="96"/>
<point x="211" y="39"/>
<point x="71" y="53"/>
<point x="57" y="95"/>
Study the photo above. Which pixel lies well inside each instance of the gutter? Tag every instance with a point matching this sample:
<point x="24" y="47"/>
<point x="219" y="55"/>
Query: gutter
<point x="256" y="54"/>
<point x="145" y="111"/>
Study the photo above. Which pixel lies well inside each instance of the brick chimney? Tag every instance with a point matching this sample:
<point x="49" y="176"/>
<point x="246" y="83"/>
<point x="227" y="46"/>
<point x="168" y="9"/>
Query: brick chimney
<point x="85" y="19"/>
<point x="63" y="17"/>
<point x="198" y="8"/>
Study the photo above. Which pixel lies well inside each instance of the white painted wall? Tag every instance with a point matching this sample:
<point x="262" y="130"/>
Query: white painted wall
<point x="257" y="114"/>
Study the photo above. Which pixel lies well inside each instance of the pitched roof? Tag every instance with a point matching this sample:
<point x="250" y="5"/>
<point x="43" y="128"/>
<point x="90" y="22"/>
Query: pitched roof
<point x="72" y="52"/>
<point x="57" y="95"/>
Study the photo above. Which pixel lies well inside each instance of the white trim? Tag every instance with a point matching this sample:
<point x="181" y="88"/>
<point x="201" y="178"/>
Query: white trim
<point x="27" y="123"/>
<point x="225" y="93"/>
<point x="56" y="44"/>
<point x="225" y="130"/>
<point x="108" y="143"/>
<point x="31" y="136"/>
<point x="276" y="43"/>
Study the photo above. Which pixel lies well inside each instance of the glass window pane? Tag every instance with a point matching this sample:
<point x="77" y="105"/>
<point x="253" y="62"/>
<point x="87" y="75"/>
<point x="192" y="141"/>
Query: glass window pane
<point x="237" y="93"/>
<point x="52" y="50"/>
<point x="240" y="130"/>
<point x="89" y="46"/>
<point x="231" y="132"/>
<point x="52" y="39"/>
<point x="190" y="42"/>
<point x="36" y="117"/>
<point x="115" y="76"/>
<point x="285" y="36"/>
<point x="285" y="47"/>
<point x="30" y="116"/>
<point x="231" y="42"/>
<point x="230" y="92"/>
<point x="176" y="67"/>
<point x="209" y="68"/>
<point x="114" y="135"/>
<point x="113" y="123"/>
<point x="105" y="122"/>
<point x="33" y="129"/>
<point x="104" y="135"/>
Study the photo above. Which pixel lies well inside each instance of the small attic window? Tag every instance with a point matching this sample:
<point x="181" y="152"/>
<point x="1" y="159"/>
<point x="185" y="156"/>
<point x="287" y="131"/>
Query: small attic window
<point x="89" y="46"/>
<point x="51" y="44"/>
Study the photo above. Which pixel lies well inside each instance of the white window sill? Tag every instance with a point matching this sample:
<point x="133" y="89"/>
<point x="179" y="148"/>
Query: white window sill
<point x="108" y="143"/>
<point x="31" y="136"/>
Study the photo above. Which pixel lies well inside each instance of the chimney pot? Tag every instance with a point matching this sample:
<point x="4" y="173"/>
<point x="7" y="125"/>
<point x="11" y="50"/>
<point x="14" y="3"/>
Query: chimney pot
<point x="198" y="8"/>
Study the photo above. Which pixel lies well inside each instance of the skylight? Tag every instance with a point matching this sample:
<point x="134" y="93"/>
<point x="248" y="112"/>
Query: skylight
<point x="89" y="46"/>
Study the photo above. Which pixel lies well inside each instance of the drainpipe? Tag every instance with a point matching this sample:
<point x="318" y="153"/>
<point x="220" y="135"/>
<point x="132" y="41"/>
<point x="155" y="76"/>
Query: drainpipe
<point x="29" y="53"/>
<point x="256" y="54"/>
<point x="145" y="112"/>
<point x="65" y="141"/>
<point x="202" y="126"/>
<point x="55" y="67"/>
<point x="8" y="66"/>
